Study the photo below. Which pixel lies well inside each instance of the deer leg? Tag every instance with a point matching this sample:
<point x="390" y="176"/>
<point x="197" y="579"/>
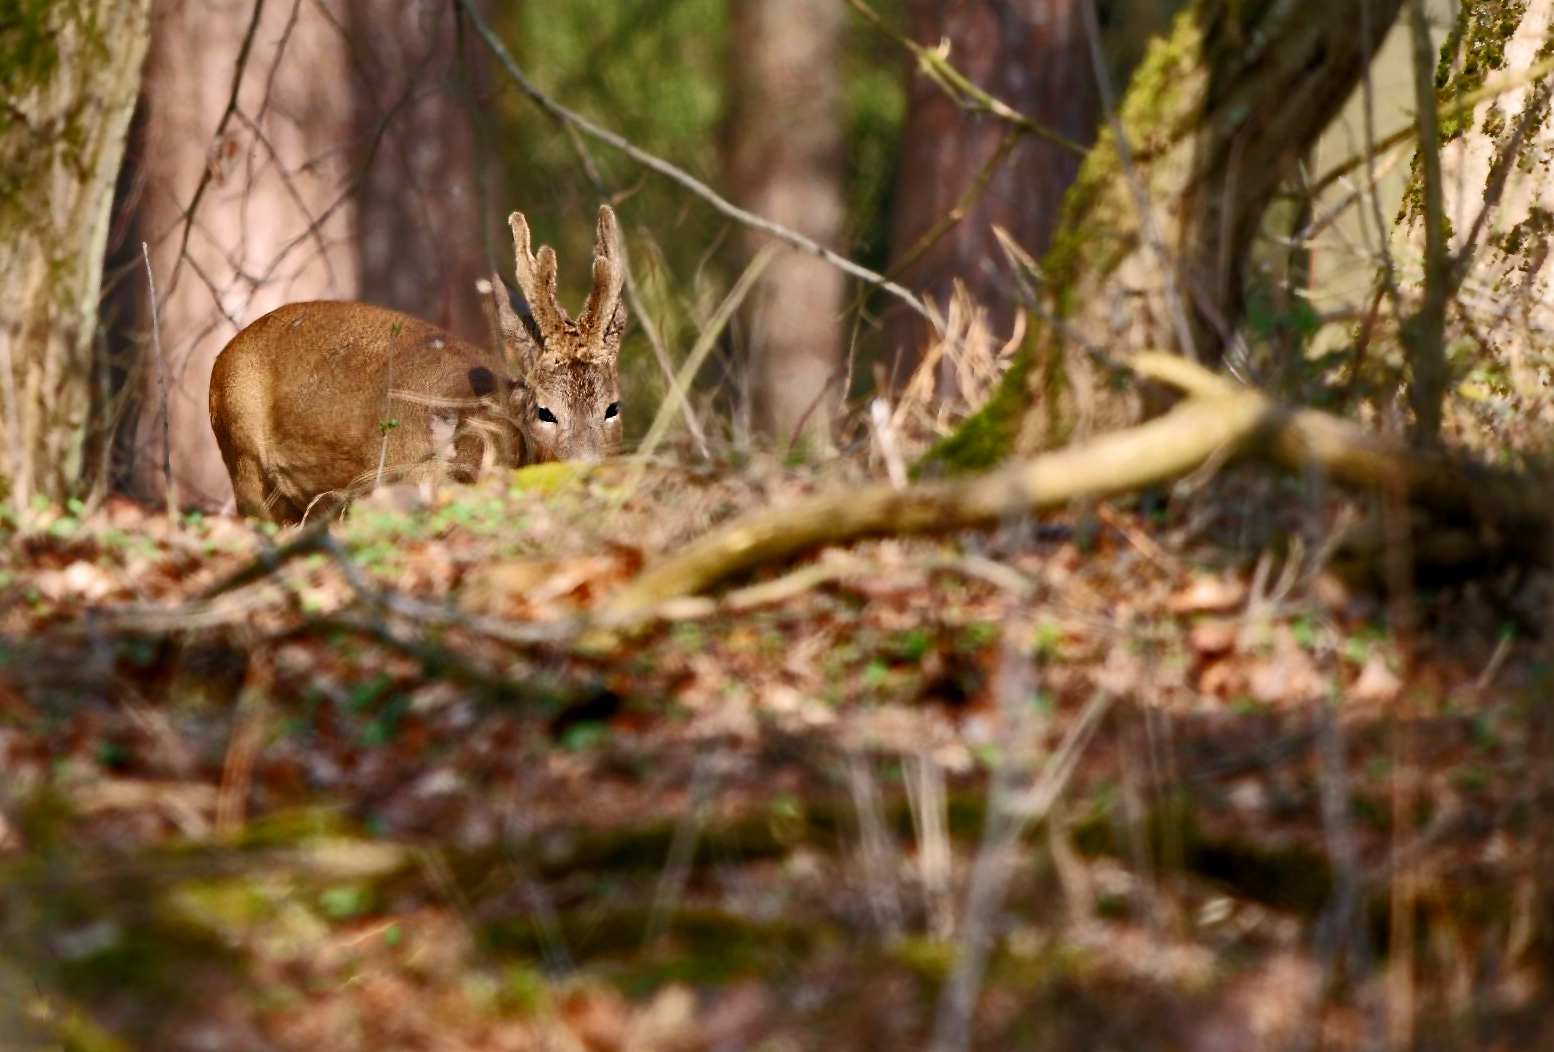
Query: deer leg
<point x="248" y="488"/>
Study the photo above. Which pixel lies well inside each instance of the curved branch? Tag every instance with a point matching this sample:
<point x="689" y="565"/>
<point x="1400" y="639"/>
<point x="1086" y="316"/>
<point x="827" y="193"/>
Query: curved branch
<point x="1220" y="419"/>
<point x="1173" y="445"/>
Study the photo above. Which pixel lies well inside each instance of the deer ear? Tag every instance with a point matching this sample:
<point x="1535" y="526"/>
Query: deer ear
<point x="513" y="327"/>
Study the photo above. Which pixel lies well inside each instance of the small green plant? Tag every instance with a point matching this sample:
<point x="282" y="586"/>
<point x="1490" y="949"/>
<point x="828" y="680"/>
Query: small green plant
<point x="914" y="644"/>
<point x="584" y="735"/>
<point x="345" y="901"/>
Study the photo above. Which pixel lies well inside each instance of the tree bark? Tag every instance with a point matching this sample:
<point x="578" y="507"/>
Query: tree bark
<point x="1036" y="58"/>
<point x="785" y="162"/>
<point x="1155" y="237"/>
<point x="71" y="73"/>
<point x="244" y="211"/>
<point x="425" y="224"/>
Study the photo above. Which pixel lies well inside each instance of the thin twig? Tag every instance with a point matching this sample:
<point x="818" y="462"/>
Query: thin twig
<point x="672" y="172"/>
<point x="387" y="424"/>
<point x="1464" y="102"/>
<point x="208" y="172"/>
<point x="680" y="385"/>
<point x="957" y="212"/>
<point x="682" y="850"/>
<point x="1007" y="822"/>
<point x="161" y="371"/>
<point x="935" y="64"/>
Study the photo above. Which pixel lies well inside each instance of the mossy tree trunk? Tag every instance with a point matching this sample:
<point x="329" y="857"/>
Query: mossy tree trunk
<point x="71" y="74"/>
<point x="1497" y="225"/>
<point x="1157" y="232"/>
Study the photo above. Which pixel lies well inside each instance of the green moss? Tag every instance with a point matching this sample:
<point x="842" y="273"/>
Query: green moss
<point x="31" y="34"/>
<point x="1154" y="115"/>
<point x="1494" y="121"/>
<point x="29" y="47"/>
<point x="989" y="436"/>
<point x="1535" y="229"/>
<point x="553" y="477"/>
<point x="1473" y="49"/>
<point x="700" y="945"/>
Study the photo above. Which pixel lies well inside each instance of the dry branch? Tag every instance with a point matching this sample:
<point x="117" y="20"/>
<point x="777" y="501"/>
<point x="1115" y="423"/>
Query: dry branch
<point x="1219" y="419"/>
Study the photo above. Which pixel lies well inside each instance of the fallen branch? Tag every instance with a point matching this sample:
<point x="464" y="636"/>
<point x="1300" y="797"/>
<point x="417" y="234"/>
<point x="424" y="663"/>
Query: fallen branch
<point x="1162" y="449"/>
<point x="1219" y="419"/>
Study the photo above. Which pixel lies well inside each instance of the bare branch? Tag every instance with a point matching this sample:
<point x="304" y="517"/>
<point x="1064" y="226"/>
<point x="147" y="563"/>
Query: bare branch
<point x="936" y="66"/>
<point x="672" y="172"/>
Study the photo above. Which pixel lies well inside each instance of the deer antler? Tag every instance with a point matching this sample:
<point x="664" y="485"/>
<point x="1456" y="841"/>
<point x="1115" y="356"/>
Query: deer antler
<point x="609" y="276"/>
<point x="537" y="277"/>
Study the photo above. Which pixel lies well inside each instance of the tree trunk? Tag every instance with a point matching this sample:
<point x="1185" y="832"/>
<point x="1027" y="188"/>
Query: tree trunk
<point x="423" y="217"/>
<point x="1035" y="57"/>
<point x="1155" y="239"/>
<point x="785" y="162"/>
<point x="71" y="72"/>
<point x="1497" y="204"/>
<point x="269" y="189"/>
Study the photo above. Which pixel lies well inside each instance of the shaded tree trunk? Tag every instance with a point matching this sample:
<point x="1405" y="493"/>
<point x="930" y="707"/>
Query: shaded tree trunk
<point x="1035" y="57"/>
<point x="244" y="212"/>
<point x="785" y="162"/>
<point x="71" y="72"/>
<point x="424" y="221"/>
<point x="1216" y="118"/>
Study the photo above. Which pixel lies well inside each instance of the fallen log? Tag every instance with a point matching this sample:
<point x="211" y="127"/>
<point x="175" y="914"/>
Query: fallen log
<point x="1217" y="421"/>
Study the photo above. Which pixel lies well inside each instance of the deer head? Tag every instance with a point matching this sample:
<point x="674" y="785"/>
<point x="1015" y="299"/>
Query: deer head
<point x="567" y="404"/>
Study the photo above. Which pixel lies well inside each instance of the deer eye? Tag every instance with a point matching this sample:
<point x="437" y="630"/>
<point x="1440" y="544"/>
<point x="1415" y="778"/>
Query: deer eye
<point x="613" y="411"/>
<point x="545" y="415"/>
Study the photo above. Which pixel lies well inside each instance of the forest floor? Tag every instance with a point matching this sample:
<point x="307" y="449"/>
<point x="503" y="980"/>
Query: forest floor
<point x="376" y="790"/>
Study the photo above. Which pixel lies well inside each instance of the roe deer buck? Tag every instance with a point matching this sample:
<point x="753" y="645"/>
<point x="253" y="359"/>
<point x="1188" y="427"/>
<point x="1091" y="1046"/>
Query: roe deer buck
<point x="321" y="401"/>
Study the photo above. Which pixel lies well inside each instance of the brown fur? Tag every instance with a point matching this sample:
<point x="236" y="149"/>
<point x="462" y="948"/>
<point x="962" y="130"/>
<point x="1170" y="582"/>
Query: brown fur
<point x="310" y="400"/>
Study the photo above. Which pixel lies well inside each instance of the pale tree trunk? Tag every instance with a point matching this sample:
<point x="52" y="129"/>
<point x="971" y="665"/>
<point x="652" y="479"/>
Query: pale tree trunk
<point x="1155" y="241"/>
<point x="786" y="156"/>
<point x="422" y="216"/>
<point x="63" y="120"/>
<point x="1497" y="204"/>
<point x="1034" y="57"/>
<point x="274" y="215"/>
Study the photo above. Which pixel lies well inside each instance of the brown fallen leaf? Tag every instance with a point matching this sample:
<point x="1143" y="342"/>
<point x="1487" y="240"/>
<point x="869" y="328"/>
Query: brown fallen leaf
<point x="1376" y="682"/>
<point x="597" y="1017"/>
<point x="1223" y="679"/>
<point x="1212" y="638"/>
<point x="79" y="580"/>
<point x="1209" y="595"/>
